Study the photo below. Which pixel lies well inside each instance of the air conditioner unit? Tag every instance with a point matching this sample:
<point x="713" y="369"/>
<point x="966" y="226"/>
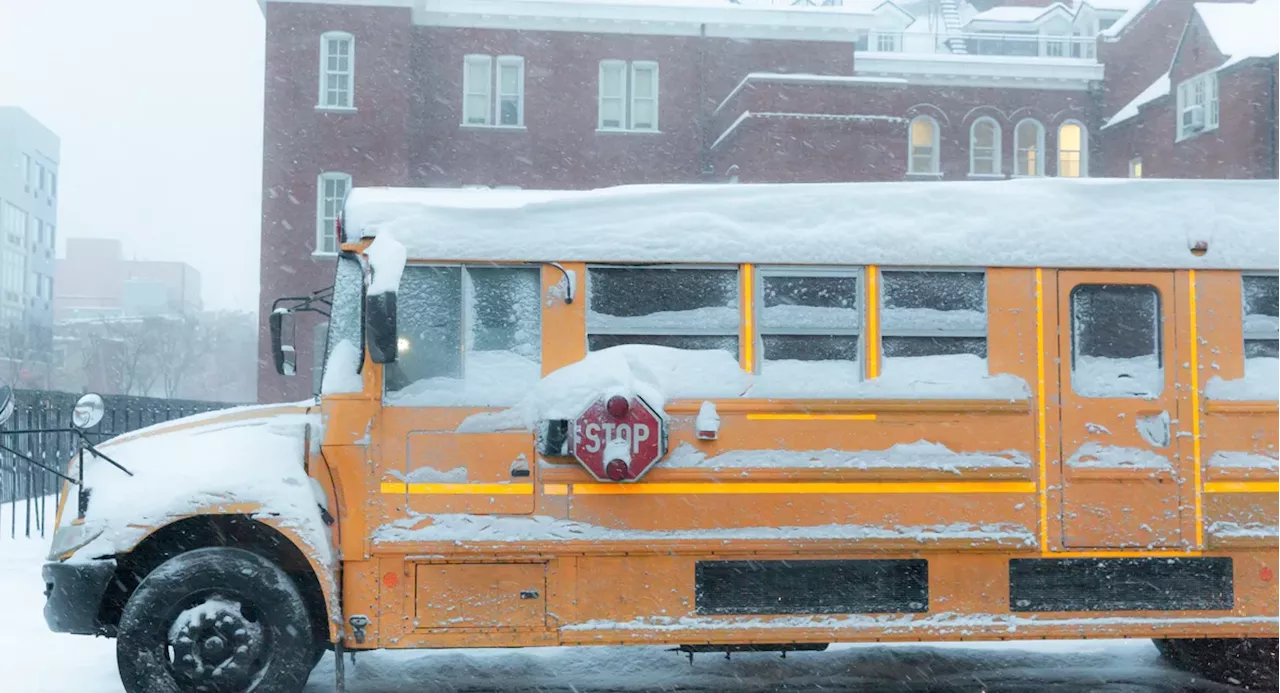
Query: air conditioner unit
<point x="1193" y="118"/>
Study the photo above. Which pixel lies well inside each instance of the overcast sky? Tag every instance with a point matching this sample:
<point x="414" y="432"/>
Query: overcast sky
<point x="159" y="107"/>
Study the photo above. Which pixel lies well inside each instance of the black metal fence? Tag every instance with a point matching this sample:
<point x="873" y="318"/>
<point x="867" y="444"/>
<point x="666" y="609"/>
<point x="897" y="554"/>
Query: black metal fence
<point x="26" y="491"/>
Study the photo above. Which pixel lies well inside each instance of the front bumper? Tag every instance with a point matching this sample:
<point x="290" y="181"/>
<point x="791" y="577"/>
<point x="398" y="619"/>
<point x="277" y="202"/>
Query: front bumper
<point x="73" y="594"/>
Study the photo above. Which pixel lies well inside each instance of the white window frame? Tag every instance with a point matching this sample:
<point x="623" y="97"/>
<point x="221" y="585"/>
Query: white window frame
<point x="885" y="41"/>
<point x="322" y="99"/>
<point x="324" y="225"/>
<point x="1135" y="167"/>
<point x="1018" y="150"/>
<point x="27" y="168"/>
<point x="935" y="158"/>
<point x="997" y="137"/>
<point x="758" y="308"/>
<point x="1187" y="98"/>
<point x="491" y="90"/>
<point x="628" y="97"/>
<point x="1084" y="148"/>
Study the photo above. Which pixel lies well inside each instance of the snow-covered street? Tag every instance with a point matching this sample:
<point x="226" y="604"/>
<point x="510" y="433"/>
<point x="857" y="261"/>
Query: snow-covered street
<point x="35" y="660"/>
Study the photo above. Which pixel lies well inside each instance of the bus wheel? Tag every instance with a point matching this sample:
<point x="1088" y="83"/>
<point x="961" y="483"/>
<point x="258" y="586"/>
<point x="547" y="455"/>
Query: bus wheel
<point x="1247" y="662"/>
<point x="216" y="620"/>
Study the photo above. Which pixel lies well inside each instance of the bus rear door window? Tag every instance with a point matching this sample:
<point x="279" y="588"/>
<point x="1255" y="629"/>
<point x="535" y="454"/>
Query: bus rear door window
<point x="1261" y="317"/>
<point x="467" y="337"/>
<point x="1115" y="341"/>
<point x="662" y="306"/>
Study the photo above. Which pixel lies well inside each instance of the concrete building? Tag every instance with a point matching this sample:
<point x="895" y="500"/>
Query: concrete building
<point x="94" y="280"/>
<point x="29" y="155"/>
<point x="572" y="94"/>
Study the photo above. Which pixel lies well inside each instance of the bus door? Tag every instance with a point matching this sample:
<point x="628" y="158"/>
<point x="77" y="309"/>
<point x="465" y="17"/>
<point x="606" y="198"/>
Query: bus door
<point x="1122" y="482"/>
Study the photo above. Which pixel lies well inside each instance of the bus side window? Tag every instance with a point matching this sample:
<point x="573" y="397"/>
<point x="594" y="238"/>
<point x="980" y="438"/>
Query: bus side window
<point x="1261" y="318"/>
<point x="809" y="330"/>
<point x="672" y="307"/>
<point x="934" y="320"/>
<point x="468" y="336"/>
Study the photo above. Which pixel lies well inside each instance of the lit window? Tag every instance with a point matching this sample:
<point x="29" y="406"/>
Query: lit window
<point x="672" y="307"/>
<point x="1073" y="153"/>
<point x="1029" y="143"/>
<point x="628" y="95"/>
<point x="480" y="82"/>
<point x="337" y="70"/>
<point x="331" y="192"/>
<point x="1198" y="105"/>
<point x="924" y="146"/>
<point x="984" y="147"/>
<point x="1135" y="167"/>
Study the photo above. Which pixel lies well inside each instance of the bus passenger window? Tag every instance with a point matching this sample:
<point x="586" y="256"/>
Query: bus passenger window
<point x="663" y="306"/>
<point x="467" y="336"/>
<point x="1115" y="341"/>
<point x="809" y="331"/>
<point x="934" y="323"/>
<point x="1261" y="321"/>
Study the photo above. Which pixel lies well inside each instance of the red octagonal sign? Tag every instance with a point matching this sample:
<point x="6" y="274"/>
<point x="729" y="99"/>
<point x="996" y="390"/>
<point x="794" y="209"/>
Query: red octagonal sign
<point x="618" y="438"/>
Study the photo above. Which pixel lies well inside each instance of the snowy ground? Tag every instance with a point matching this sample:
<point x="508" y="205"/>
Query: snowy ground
<point x="33" y="660"/>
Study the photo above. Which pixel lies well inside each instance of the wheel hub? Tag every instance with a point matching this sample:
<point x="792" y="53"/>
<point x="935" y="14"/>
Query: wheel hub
<point x="215" y="647"/>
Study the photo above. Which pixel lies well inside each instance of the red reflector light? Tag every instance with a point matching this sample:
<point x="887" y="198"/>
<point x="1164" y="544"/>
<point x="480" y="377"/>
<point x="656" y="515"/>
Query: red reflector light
<point x="618" y="406"/>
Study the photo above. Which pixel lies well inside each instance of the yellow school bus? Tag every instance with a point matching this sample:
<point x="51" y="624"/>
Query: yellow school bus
<point x="723" y="417"/>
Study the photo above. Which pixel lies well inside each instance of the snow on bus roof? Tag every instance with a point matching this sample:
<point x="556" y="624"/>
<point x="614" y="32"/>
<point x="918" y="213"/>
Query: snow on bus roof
<point x="1119" y="223"/>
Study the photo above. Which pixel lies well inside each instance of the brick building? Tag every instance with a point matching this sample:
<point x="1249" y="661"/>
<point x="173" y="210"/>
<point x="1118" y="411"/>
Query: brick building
<point x="584" y="94"/>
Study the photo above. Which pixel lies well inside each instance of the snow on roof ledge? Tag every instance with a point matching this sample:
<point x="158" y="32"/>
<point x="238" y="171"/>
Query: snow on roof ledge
<point x="1243" y="30"/>
<point x="1156" y="90"/>
<point x="1019" y="223"/>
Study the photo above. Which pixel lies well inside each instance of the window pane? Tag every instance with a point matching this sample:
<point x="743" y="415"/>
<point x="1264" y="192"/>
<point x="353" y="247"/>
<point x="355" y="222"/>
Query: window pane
<point x="429" y="306"/>
<point x="477" y="107"/>
<point x="596" y="342"/>
<point x="811" y="302"/>
<point x="984" y="135"/>
<point x="1261" y="299"/>
<point x="478" y="76"/>
<point x="505" y="312"/>
<point x="1115" y="339"/>
<point x="611" y="113"/>
<point x="932" y="346"/>
<point x="779" y="347"/>
<point x="643" y="82"/>
<point x="1261" y="348"/>
<point x="344" y="324"/>
<point x="934" y="301"/>
<point x="611" y="81"/>
<point x="642" y="114"/>
<point x="509" y="79"/>
<point x="662" y="300"/>
<point x="509" y="111"/>
<point x="922" y="132"/>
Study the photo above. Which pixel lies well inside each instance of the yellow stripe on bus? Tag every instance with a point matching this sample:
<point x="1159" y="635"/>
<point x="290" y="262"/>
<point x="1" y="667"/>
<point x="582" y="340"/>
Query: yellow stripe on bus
<point x="713" y="488"/>
<point x="811" y="417"/>
<point x="1242" y="487"/>
<point x="1041" y="435"/>
<point x="458" y="489"/>
<point x="1196" y="482"/>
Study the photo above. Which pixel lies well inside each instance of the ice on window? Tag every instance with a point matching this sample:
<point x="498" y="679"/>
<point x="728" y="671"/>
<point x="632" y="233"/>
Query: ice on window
<point x="933" y="314"/>
<point x="678" y="308"/>
<point x="1115" y="341"/>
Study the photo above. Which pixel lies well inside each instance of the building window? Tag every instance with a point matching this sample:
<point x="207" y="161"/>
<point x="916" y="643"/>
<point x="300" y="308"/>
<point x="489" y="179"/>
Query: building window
<point x="27" y="171"/>
<point x="1073" y="150"/>
<point x="480" y="82"/>
<point x="682" y="308"/>
<point x="337" y="70"/>
<point x="938" y="314"/>
<point x="466" y="336"/>
<point x="628" y="95"/>
<point x="984" y="148"/>
<point x="1029" y="143"/>
<point x="1198" y="105"/>
<point x="1261" y="318"/>
<point x="886" y="43"/>
<point x="14" y="224"/>
<point x="1135" y="167"/>
<point x="809" y="322"/>
<point x="924" y="146"/>
<point x="331" y="192"/>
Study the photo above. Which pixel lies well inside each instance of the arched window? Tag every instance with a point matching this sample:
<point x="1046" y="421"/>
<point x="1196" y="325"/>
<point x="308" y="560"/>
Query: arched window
<point x="1028" y="142"/>
<point x="984" y="148"/>
<point x="1073" y="150"/>
<point x="923" y="145"/>
<point x="337" y="70"/>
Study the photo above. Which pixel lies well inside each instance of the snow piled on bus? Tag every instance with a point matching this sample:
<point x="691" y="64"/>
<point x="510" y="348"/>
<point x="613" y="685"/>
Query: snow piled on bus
<point x="658" y="374"/>
<point x="1097" y="223"/>
<point x="1261" y="382"/>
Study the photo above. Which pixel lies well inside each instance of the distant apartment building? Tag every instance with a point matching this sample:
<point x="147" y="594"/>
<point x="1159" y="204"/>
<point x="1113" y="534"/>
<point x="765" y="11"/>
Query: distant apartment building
<point x="29" y="155"/>
<point x="94" y="280"/>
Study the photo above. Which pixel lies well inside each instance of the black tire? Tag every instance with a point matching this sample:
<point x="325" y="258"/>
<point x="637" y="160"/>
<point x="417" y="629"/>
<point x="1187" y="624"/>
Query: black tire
<point x="1247" y="662"/>
<point x="216" y="620"/>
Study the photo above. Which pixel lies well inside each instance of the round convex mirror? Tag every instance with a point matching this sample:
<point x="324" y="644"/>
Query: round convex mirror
<point x="88" y="412"/>
<point x="6" y="403"/>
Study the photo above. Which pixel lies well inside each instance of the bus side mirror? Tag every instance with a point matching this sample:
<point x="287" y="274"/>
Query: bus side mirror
<point x="380" y="326"/>
<point x="282" y="351"/>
